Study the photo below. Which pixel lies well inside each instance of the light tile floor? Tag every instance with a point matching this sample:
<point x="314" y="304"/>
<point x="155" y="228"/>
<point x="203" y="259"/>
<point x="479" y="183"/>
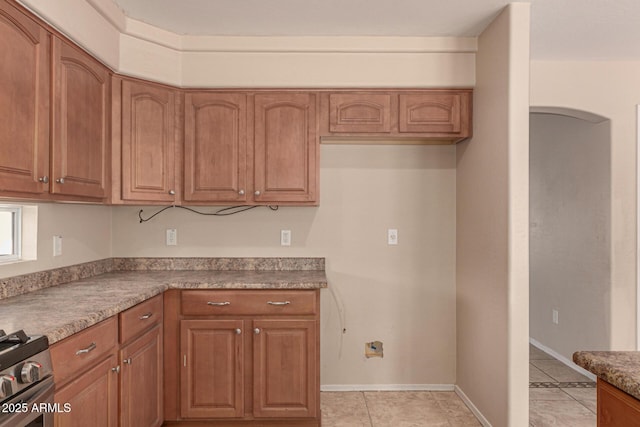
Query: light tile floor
<point x="558" y="397"/>
<point x="395" y="409"/>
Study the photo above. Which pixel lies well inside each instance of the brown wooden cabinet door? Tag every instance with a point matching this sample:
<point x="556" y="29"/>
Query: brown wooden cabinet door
<point x="212" y="375"/>
<point x="215" y="150"/>
<point x="148" y="142"/>
<point x="285" y="148"/>
<point x="93" y="398"/>
<point x="141" y="381"/>
<point x="80" y="123"/>
<point x="24" y="103"/>
<point x="437" y="113"/>
<point x="285" y="368"/>
<point x="361" y="112"/>
<point x="616" y="408"/>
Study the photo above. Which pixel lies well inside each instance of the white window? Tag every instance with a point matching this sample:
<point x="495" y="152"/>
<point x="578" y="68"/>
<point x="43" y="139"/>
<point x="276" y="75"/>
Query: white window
<point x="10" y="233"/>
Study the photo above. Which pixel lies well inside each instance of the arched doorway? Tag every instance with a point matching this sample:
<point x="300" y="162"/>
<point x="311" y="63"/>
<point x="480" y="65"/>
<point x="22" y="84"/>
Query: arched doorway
<point x="570" y="230"/>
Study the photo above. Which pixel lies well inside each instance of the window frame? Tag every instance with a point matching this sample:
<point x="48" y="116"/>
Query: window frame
<point x="16" y="230"/>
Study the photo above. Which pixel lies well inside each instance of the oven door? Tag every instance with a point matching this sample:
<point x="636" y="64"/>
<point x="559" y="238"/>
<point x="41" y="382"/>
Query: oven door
<point x="25" y="409"/>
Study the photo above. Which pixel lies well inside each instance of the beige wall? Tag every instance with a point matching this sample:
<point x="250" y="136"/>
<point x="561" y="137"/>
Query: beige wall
<point x="570" y="236"/>
<point x="85" y="231"/>
<point x="401" y="295"/>
<point x="609" y="89"/>
<point x="404" y="296"/>
<point x="492" y="228"/>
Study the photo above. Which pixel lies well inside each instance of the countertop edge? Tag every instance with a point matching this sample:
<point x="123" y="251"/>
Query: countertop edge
<point x="621" y="369"/>
<point x="123" y="296"/>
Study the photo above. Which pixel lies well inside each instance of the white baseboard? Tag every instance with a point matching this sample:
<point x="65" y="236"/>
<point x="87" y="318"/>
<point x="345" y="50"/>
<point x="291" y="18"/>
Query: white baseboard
<point x="476" y="412"/>
<point x="387" y="387"/>
<point x="563" y="359"/>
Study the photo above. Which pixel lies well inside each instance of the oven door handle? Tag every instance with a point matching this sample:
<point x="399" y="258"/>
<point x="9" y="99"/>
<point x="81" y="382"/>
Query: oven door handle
<point x="41" y="392"/>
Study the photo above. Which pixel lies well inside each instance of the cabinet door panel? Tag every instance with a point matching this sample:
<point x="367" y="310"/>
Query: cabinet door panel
<point x="436" y="113"/>
<point x="80" y="119"/>
<point x="360" y="112"/>
<point x="93" y="398"/>
<point x="148" y="142"/>
<point x="286" y="145"/>
<point x="141" y="381"/>
<point x="285" y="368"/>
<point x="215" y="147"/>
<point x="212" y="369"/>
<point x="24" y="103"/>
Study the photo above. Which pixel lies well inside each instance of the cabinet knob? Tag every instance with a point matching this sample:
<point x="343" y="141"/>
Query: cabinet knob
<point x="44" y="179"/>
<point x="257" y="193"/>
<point x="116" y="369"/>
<point x="172" y="192"/>
<point x="60" y="180"/>
<point x="127" y="361"/>
<point x="256" y="331"/>
<point x="241" y="192"/>
<point x="238" y="331"/>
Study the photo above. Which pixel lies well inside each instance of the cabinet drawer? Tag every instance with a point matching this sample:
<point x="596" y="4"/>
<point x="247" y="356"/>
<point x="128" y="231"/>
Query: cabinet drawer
<point x="140" y="318"/>
<point x="207" y="303"/>
<point x="73" y="355"/>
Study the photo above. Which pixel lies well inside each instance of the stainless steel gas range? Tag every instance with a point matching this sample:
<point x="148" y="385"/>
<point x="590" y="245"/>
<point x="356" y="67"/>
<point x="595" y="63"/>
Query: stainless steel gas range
<point x="26" y="381"/>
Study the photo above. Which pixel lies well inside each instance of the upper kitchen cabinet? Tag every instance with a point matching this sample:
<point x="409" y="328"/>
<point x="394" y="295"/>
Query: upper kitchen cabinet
<point x="149" y="153"/>
<point x="215" y="147"/>
<point x="362" y="112"/>
<point x="24" y="104"/>
<point x="441" y="114"/>
<point x="81" y="108"/>
<point x="432" y="116"/>
<point x="285" y="148"/>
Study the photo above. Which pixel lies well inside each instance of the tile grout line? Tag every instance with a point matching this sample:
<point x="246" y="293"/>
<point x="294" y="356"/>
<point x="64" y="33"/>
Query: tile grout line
<point x="366" y="404"/>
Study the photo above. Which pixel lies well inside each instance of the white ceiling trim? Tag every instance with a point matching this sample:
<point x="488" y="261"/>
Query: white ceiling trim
<point x="279" y="44"/>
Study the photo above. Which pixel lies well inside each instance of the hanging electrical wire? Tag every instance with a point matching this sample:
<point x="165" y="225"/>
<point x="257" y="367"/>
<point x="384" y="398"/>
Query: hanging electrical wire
<point x="231" y="210"/>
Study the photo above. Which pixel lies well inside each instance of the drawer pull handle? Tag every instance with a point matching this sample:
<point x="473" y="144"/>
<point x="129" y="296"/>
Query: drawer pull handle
<point x="91" y="347"/>
<point x="146" y="316"/>
<point x="218" y="304"/>
<point x="279" y="302"/>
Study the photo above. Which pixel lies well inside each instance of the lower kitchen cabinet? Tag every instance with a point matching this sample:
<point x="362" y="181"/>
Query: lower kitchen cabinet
<point x="616" y="408"/>
<point x="86" y="370"/>
<point x="108" y="385"/>
<point x="141" y="381"/>
<point x="212" y="368"/>
<point x="93" y="398"/>
<point x="284" y="368"/>
<point x="244" y="356"/>
<point x="141" y="362"/>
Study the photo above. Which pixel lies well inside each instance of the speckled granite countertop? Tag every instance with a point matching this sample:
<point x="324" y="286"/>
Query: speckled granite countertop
<point x="619" y="368"/>
<point x="62" y="310"/>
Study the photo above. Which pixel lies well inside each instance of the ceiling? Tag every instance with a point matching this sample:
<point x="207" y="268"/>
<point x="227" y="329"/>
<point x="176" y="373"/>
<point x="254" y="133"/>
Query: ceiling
<point x="560" y="29"/>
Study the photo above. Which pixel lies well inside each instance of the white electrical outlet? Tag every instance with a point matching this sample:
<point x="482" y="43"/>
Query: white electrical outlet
<point x="172" y="237"/>
<point x="554" y="316"/>
<point x="285" y="237"/>
<point x="57" y="245"/>
<point x="392" y="236"/>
